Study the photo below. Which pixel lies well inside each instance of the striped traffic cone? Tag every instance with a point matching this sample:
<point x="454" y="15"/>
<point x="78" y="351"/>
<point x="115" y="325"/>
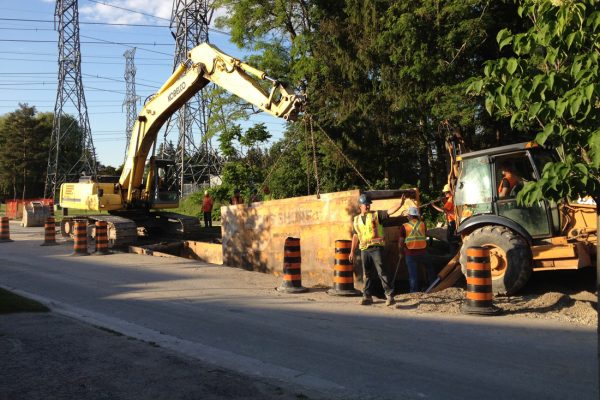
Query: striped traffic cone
<point x="4" y="230"/>
<point x="49" y="232"/>
<point x="101" y="238"/>
<point x="479" y="298"/>
<point x="343" y="271"/>
<point x="80" y="236"/>
<point x="292" y="267"/>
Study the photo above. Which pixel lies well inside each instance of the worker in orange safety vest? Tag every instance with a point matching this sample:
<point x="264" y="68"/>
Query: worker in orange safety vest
<point x="448" y="209"/>
<point x="411" y="245"/>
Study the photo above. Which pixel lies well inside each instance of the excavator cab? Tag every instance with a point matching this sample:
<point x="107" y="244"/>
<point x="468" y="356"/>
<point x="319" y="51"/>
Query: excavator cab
<point x="163" y="184"/>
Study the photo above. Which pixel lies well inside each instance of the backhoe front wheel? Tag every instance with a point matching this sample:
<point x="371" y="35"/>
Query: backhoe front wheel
<point x="510" y="257"/>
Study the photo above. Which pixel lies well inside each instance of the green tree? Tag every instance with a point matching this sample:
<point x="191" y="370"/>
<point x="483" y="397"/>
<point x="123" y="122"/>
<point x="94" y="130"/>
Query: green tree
<point x="391" y="76"/>
<point x="379" y="75"/>
<point x="276" y="31"/>
<point x="245" y="160"/>
<point x="550" y="85"/>
<point x="24" y="150"/>
<point x="23" y="153"/>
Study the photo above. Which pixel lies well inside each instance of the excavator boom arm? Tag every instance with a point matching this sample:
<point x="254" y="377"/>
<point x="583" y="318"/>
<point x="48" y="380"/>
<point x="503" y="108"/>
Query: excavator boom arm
<point x="205" y="64"/>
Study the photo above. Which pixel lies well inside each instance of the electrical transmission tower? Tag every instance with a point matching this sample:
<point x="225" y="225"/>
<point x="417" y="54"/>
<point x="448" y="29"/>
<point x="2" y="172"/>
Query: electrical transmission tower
<point x="69" y="132"/>
<point x="197" y="160"/>
<point x="131" y="99"/>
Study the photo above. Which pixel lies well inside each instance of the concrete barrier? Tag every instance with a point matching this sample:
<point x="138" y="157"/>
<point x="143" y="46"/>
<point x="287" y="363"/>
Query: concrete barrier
<point x="254" y="235"/>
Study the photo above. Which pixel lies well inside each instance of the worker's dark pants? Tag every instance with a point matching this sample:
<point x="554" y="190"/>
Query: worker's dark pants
<point x="412" y="263"/>
<point x="451" y="231"/>
<point x="207" y="219"/>
<point x="372" y="262"/>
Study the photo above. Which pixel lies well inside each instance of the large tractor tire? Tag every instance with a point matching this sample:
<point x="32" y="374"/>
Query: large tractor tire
<point x="510" y="257"/>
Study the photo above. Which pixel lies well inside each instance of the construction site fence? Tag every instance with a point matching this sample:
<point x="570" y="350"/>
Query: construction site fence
<point x="14" y="208"/>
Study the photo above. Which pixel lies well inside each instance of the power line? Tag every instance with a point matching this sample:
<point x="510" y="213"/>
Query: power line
<point x="27" y="73"/>
<point x="86" y="23"/>
<point x="141" y="48"/>
<point x="100" y="41"/>
<point x="26" y="29"/>
<point x="83" y="62"/>
<point x="111" y="23"/>
<point x="117" y="80"/>
<point x="54" y="55"/>
<point x="128" y="9"/>
<point x="145" y="14"/>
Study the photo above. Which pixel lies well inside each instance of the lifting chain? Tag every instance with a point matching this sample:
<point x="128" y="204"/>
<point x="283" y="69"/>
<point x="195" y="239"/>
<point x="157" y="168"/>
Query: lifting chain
<point x="309" y="124"/>
<point x="283" y="151"/>
<point x="314" y="150"/>
<point x="304" y="142"/>
<point x="344" y="156"/>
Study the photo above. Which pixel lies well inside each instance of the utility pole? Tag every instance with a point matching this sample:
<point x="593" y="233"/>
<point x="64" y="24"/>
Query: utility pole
<point x="190" y="20"/>
<point x="131" y="99"/>
<point x="69" y="94"/>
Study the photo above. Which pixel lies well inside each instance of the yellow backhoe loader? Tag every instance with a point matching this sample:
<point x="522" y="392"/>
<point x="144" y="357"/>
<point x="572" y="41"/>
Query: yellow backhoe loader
<point x="546" y="236"/>
<point x="132" y="201"/>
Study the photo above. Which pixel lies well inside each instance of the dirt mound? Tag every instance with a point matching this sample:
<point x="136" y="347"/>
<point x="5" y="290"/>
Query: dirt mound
<point x="578" y="308"/>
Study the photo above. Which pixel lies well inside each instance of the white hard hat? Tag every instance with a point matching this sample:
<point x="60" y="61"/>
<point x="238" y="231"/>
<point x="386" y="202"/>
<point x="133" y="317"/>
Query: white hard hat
<point x="446" y="188"/>
<point x="205" y="192"/>
<point x="413" y="211"/>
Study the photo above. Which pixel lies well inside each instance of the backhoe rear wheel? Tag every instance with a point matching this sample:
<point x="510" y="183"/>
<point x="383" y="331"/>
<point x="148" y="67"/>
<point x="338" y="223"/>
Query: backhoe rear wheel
<point x="510" y="257"/>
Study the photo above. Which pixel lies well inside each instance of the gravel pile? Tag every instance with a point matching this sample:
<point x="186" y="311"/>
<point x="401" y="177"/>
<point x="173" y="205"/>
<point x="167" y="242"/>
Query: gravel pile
<point x="578" y="308"/>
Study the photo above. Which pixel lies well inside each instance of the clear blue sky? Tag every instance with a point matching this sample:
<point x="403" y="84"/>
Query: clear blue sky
<point x="29" y="66"/>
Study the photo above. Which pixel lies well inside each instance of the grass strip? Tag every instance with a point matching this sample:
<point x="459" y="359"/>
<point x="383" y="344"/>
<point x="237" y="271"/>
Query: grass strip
<point x="13" y="303"/>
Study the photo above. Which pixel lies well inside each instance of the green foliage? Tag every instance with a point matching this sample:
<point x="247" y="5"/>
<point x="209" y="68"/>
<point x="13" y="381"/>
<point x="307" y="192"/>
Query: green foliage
<point x="550" y="85"/>
<point x="245" y="161"/>
<point x="383" y="78"/>
<point x="24" y="147"/>
<point x="392" y="76"/>
<point x="23" y="153"/>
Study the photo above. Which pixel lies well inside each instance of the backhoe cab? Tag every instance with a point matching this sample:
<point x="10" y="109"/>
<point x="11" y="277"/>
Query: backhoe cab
<point x="545" y="236"/>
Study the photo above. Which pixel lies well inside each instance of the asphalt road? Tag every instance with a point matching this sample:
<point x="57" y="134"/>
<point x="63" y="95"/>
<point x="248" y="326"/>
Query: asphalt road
<point x="329" y="345"/>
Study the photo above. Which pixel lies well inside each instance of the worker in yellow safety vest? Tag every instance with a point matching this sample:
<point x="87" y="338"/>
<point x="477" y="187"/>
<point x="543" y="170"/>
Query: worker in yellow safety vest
<point x="369" y="237"/>
<point x="411" y="245"/>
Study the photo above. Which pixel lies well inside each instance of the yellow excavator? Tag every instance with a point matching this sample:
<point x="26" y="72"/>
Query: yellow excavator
<point x="133" y="201"/>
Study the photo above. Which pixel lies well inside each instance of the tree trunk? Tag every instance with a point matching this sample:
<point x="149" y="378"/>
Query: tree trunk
<point x="424" y="159"/>
<point x="386" y="172"/>
<point x="597" y="200"/>
<point x="24" y="184"/>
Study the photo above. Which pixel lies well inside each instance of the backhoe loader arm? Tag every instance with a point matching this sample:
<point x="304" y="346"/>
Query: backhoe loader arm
<point x="205" y="64"/>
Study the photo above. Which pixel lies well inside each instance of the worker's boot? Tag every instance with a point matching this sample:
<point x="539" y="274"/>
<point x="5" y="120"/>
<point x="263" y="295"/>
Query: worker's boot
<point x="389" y="300"/>
<point x="366" y="300"/>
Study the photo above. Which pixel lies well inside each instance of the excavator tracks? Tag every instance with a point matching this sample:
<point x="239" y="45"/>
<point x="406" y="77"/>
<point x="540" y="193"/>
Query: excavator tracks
<point x="121" y="231"/>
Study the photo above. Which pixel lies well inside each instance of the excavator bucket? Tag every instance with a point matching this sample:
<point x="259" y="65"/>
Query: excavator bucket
<point x="35" y="214"/>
